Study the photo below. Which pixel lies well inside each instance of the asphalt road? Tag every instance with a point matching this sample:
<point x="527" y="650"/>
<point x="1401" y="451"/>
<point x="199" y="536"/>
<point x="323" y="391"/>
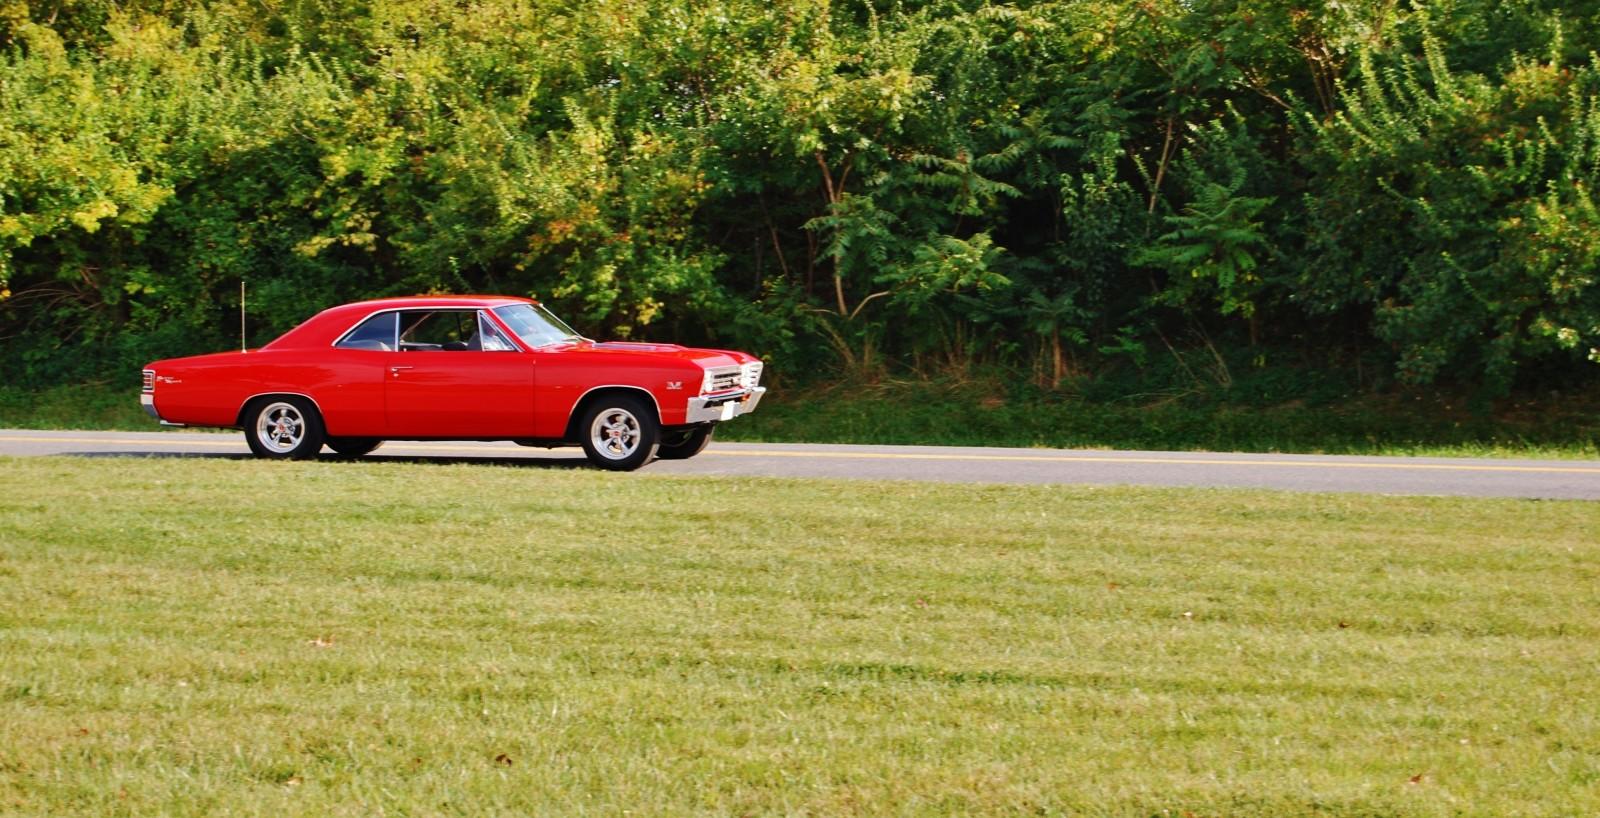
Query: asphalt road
<point x="1554" y="479"/>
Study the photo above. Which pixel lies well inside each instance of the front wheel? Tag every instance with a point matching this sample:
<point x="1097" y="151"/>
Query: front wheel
<point x="684" y="443"/>
<point x="283" y="428"/>
<point x="353" y="446"/>
<point x="620" y="433"/>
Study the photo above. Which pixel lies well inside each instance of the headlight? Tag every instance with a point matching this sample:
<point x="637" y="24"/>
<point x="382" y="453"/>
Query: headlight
<point x="750" y="375"/>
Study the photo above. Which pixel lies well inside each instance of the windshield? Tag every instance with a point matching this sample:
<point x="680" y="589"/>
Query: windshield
<point x="535" y="325"/>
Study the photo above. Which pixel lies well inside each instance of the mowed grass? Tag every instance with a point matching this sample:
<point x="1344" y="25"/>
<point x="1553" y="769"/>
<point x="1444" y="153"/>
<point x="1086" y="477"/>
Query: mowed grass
<point x="214" y="636"/>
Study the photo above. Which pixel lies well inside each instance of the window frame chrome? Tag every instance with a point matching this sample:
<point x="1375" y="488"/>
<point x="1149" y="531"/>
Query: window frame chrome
<point x="516" y="343"/>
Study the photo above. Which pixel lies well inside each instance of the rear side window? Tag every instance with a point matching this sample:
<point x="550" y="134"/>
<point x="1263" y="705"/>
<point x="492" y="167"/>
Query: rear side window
<point x="376" y="333"/>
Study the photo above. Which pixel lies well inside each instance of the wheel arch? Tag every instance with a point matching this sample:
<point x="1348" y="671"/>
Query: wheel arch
<point x="244" y="406"/>
<point x="595" y="393"/>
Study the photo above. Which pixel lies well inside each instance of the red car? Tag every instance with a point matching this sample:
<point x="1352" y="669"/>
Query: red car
<point x="457" y="368"/>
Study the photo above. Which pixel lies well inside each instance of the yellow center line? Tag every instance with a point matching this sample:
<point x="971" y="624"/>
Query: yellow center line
<point x="235" y="443"/>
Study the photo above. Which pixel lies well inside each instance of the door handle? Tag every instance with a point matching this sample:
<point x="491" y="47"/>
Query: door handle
<point x="395" y="370"/>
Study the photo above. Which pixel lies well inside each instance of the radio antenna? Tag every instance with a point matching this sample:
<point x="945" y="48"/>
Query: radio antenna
<point x="242" y="346"/>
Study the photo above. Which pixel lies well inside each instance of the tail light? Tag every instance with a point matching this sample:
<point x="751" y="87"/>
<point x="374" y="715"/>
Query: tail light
<point x="149" y="380"/>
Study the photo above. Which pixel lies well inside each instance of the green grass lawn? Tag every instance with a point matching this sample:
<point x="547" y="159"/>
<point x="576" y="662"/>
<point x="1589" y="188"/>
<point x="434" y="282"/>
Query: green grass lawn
<point x="216" y="636"/>
<point x="84" y="406"/>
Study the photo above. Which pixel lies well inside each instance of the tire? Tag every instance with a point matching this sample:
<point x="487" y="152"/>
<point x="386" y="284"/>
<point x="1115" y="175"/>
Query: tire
<point x="353" y="446"/>
<point x="283" y="428"/>
<point x="684" y="443"/>
<point x="619" y="432"/>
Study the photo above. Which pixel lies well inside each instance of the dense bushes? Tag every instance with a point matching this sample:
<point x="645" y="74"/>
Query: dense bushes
<point x="1048" y="186"/>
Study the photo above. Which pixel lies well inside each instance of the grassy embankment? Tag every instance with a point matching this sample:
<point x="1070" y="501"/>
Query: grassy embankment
<point x="971" y="414"/>
<point x="206" y="636"/>
<point x="976" y="413"/>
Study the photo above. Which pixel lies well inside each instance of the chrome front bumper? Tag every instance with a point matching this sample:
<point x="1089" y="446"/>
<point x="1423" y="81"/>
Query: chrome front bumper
<point x="148" y="401"/>
<point x="713" y="408"/>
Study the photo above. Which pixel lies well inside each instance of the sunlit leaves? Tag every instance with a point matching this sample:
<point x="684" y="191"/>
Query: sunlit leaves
<point x="977" y="181"/>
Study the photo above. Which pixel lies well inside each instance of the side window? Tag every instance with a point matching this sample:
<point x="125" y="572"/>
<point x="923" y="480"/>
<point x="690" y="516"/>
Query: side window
<point x="439" y="330"/>
<point x="491" y="339"/>
<point x="376" y="333"/>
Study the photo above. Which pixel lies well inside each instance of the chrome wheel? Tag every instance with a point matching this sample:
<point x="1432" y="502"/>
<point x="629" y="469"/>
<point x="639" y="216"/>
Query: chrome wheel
<point x="283" y="427"/>
<point x="619" y="432"/>
<point x="615" y="434"/>
<point x="280" y="427"/>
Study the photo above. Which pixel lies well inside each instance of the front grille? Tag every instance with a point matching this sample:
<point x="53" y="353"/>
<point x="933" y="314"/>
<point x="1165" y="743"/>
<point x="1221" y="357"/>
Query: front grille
<point x="149" y="380"/>
<point x="723" y="379"/>
<point x="750" y="374"/>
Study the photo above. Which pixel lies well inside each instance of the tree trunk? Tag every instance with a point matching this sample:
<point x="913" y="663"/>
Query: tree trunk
<point x="1057" y="363"/>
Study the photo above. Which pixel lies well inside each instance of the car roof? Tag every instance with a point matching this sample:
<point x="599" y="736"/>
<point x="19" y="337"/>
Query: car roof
<point x="325" y="327"/>
<point x="423" y="301"/>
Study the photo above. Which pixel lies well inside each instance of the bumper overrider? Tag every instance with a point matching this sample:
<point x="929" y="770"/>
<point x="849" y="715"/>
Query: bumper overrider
<point x="724" y="406"/>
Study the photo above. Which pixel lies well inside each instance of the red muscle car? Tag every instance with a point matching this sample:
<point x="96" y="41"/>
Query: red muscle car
<point x="457" y="368"/>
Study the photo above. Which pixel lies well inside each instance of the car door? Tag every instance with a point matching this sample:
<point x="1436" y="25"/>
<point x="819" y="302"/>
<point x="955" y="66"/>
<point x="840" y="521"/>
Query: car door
<point x="456" y="375"/>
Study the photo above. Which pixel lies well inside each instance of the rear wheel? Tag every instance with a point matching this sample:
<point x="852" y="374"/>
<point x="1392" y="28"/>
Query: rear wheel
<point x="619" y="432"/>
<point x="353" y="446"/>
<point x="683" y="444"/>
<point x="283" y="428"/>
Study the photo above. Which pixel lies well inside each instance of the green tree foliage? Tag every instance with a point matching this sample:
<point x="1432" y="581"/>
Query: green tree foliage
<point x="1455" y="207"/>
<point x="1040" y="185"/>
<point x="1215" y="243"/>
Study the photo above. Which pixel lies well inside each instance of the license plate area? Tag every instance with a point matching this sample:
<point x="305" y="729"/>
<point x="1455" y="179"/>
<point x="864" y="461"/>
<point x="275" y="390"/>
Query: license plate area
<point x="728" y="410"/>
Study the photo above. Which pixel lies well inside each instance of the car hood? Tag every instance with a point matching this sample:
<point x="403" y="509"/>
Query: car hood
<point x="638" y="346"/>
<point x="703" y="357"/>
